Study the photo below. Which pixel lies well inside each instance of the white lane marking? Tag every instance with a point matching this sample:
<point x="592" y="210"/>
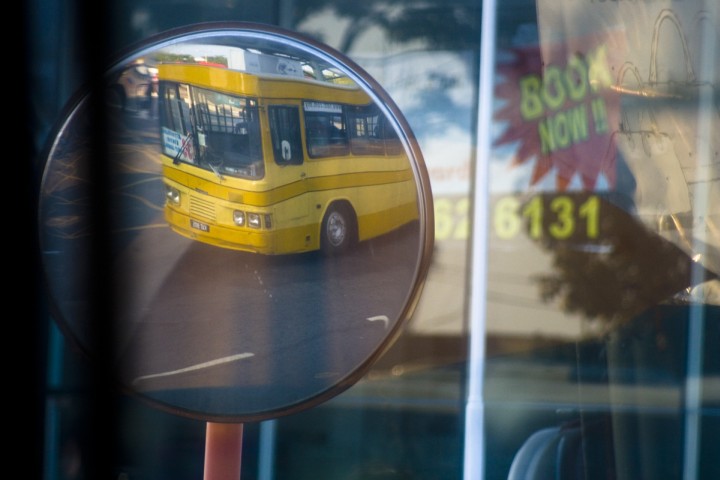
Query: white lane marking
<point x="199" y="366"/>
<point x="381" y="318"/>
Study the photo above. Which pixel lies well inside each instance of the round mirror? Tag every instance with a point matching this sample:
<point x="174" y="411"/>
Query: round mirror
<point x="236" y="221"/>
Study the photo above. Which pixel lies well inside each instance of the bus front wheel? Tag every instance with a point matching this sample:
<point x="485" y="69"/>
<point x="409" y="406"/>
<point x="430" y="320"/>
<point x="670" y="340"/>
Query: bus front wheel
<point x="339" y="229"/>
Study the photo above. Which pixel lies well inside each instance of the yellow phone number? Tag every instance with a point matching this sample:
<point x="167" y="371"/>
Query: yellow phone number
<point x="559" y="216"/>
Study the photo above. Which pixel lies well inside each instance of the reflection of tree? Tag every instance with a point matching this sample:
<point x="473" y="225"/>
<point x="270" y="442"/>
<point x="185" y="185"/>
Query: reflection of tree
<point x="448" y="25"/>
<point x="628" y="270"/>
<point x="435" y="26"/>
<point x="445" y="25"/>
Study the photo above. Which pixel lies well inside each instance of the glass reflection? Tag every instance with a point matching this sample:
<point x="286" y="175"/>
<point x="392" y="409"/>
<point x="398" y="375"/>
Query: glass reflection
<point x="250" y="266"/>
<point x="604" y="294"/>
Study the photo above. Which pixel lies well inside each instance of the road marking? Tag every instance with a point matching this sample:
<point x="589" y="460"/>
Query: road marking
<point x="381" y="318"/>
<point x="199" y="366"/>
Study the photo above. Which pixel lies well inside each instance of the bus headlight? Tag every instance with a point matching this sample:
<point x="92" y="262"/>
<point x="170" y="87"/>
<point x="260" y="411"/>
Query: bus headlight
<point x="268" y="222"/>
<point x="172" y="195"/>
<point x="253" y="220"/>
<point x="239" y="218"/>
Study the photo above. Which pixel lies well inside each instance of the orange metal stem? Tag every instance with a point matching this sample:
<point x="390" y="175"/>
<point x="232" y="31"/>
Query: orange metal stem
<point x="223" y="451"/>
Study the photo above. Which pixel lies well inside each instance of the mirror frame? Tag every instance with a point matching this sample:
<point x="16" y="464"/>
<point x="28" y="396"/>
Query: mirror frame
<point x="101" y="302"/>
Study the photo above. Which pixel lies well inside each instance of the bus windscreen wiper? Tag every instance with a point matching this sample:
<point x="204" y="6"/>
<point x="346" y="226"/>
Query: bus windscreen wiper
<point x="216" y="170"/>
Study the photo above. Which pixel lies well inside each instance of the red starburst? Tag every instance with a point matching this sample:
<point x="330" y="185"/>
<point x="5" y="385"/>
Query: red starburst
<point x="572" y="134"/>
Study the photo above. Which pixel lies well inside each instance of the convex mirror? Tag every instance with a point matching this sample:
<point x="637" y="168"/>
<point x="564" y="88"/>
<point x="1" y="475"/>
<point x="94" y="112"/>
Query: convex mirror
<point x="236" y="222"/>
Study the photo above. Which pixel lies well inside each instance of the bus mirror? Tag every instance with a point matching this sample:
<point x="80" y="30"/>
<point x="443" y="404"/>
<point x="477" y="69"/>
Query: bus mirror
<point x="184" y="257"/>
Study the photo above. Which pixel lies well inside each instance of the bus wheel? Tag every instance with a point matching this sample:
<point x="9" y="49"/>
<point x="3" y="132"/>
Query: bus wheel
<point x="339" y="229"/>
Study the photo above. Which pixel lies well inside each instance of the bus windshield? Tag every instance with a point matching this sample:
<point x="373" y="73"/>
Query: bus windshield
<point x="211" y="130"/>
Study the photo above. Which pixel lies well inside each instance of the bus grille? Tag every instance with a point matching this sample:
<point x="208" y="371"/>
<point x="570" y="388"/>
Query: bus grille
<point x="200" y="207"/>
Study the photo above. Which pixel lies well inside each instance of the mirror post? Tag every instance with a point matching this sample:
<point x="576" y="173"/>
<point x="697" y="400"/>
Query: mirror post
<point x="223" y="451"/>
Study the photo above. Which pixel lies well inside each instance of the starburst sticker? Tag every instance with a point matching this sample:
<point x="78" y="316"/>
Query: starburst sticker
<point x="563" y="115"/>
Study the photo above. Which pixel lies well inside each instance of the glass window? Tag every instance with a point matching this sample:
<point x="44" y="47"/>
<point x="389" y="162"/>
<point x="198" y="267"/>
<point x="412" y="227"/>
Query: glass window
<point x="366" y="136"/>
<point x="569" y="324"/>
<point x="370" y="132"/>
<point x="285" y="134"/>
<point x="175" y="117"/>
<point x="216" y="131"/>
<point x="325" y="129"/>
<point x="228" y="130"/>
<point x="404" y="419"/>
<point x="601" y="302"/>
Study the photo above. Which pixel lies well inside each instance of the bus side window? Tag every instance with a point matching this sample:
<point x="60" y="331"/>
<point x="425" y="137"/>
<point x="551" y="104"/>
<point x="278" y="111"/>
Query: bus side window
<point x="393" y="145"/>
<point x="175" y="116"/>
<point x="326" y="134"/>
<point x="366" y="131"/>
<point x="285" y="134"/>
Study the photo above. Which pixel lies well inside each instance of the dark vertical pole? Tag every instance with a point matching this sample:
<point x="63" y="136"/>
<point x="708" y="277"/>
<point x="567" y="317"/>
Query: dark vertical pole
<point x="33" y="325"/>
<point x="101" y="441"/>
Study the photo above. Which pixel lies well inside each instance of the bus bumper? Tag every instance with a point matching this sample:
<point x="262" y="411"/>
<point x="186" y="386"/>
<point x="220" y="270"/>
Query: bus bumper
<point x="236" y="238"/>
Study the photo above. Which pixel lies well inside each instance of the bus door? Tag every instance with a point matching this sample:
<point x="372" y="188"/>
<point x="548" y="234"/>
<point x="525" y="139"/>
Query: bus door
<point x="290" y="179"/>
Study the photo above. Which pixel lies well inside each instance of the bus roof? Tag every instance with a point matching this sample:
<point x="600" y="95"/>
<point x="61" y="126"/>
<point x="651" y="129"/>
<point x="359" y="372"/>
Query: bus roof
<point x="237" y="82"/>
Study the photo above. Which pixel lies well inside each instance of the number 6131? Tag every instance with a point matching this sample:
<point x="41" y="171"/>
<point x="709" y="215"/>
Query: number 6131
<point x="560" y="217"/>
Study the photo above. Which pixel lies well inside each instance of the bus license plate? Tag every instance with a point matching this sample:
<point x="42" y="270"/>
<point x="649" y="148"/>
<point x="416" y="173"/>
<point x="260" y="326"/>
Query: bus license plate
<point x="199" y="226"/>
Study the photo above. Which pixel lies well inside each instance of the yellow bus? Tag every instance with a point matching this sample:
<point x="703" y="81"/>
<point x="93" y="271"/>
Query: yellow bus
<point x="279" y="163"/>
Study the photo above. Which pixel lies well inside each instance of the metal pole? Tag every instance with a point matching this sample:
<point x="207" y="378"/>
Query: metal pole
<point x="474" y="461"/>
<point x="223" y="451"/>
<point x="696" y="331"/>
